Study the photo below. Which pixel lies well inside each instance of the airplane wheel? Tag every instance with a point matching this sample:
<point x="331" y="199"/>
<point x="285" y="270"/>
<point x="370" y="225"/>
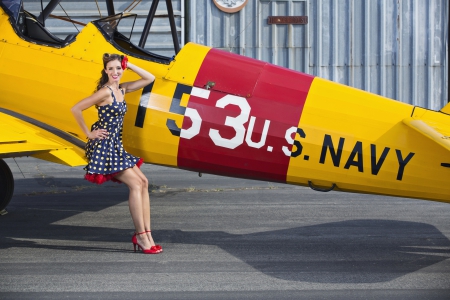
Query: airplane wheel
<point x="6" y="185"/>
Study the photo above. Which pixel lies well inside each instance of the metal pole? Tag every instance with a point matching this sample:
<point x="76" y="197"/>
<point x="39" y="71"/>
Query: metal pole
<point x="110" y="7"/>
<point x="173" y="27"/>
<point x="48" y="10"/>
<point x="148" y="23"/>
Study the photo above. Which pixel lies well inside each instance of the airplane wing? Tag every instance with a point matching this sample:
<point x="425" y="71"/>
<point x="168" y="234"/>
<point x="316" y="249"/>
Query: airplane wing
<point x="21" y="136"/>
<point x="436" y="129"/>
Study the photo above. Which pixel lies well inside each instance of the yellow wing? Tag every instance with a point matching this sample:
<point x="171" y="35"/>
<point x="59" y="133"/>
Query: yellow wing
<point x="436" y="128"/>
<point x="22" y="136"/>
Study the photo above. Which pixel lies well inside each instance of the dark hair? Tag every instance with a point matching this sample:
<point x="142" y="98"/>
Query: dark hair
<point x="107" y="57"/>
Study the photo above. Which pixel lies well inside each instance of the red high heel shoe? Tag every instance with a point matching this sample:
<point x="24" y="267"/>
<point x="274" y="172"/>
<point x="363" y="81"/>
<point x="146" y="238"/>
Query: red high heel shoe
<point x="157" y="246"/>
<point x="152" y="249"/>
<point x="134" y="241"/>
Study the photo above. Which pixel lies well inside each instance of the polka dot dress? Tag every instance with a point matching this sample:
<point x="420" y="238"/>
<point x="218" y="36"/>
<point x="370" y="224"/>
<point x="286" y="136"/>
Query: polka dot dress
<point x="107" y="157"/>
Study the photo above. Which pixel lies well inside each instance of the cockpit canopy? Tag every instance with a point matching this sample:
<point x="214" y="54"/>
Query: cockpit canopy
<point x="113" y="29"/>
<point x="30" y="28"/>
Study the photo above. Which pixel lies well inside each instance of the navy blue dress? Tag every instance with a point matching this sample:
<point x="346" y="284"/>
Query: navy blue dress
<point x="107" y="157"/>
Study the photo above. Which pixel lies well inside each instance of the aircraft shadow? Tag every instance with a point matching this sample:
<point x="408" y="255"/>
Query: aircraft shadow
<point x="352" y="251"/>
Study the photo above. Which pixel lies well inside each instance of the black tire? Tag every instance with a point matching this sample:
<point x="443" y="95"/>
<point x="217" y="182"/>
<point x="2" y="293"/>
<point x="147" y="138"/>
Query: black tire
<point x="6" y="185"/>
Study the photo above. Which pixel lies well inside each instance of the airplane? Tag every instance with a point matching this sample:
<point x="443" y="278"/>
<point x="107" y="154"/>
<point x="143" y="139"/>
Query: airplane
<point x="211" y="111"/>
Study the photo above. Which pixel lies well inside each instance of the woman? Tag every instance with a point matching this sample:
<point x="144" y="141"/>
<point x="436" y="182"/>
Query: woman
<point x="107" y="158"/>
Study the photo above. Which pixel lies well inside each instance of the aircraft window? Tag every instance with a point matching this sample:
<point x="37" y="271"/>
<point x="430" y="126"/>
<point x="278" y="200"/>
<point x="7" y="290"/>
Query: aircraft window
<point x="109" y="24"/>
<point x="118" y="30"/>
<point x="13" y="7"/>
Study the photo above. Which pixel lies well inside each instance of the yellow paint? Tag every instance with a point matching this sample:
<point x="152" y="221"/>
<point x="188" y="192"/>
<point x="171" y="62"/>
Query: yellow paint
<point x="22" y="138"/>
<point x="428" y="131"/>
<point x="71" y="157"/>
<point x="446" y="109"/>
<point x="358" y="116"/>
<point x="153" y="142"/>
<point x="188" y="64"/>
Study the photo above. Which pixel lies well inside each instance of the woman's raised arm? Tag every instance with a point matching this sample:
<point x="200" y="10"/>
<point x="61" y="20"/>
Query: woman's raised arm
<point x="146" y="79"/>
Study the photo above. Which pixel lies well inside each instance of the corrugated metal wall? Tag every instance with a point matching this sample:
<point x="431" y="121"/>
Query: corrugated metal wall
<point x="394" y="48"/>
<point x="159" y="40"/>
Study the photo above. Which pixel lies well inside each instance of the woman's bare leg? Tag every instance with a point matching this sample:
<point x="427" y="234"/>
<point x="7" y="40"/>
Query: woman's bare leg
<point x="135" y="203"/>
<point x="145" y="197"/>
<point x="145" y="203"/>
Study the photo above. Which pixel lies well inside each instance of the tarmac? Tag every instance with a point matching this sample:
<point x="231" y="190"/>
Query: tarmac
<point x="223" y="238"/>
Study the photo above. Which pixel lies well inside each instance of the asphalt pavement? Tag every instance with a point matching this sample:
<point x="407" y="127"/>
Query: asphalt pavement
<point x="223" y="238"/>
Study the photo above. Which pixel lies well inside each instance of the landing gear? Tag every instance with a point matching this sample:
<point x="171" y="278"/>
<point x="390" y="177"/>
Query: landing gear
<point x="6" y="186"/>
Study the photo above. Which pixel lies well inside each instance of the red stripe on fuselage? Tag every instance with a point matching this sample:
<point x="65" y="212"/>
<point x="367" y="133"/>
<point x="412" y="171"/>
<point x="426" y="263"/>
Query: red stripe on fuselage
<point x="267" y="92"/>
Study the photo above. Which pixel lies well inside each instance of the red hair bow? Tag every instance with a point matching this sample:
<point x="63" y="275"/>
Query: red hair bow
<point x="124" y="62"/>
